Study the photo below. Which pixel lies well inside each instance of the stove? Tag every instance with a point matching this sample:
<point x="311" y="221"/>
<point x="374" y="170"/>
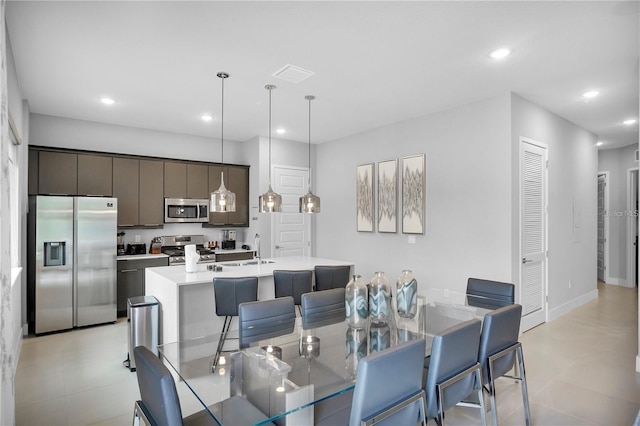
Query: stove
<point x="173" y="246"/>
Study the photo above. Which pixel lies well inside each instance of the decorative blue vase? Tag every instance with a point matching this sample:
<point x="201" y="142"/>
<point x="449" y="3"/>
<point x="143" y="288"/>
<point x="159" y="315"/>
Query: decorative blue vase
<point x="379" y="299"/>
<point x="355" y="349"/>
<point x="356" y="303"/>
<point x="379" y="337"/>
<point x="406" y="294"/>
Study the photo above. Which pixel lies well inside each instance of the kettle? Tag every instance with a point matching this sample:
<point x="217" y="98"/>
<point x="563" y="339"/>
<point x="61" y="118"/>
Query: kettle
<point x="156" y="245"/>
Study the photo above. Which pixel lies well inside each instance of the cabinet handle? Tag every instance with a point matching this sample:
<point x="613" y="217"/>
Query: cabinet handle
<point x="126" y="225"/>
<point x="129" y="270"/>
<point x="151" y="224"/>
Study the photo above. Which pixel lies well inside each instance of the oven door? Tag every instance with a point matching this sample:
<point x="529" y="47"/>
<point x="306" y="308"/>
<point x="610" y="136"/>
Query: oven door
<point x="186" y="210"/>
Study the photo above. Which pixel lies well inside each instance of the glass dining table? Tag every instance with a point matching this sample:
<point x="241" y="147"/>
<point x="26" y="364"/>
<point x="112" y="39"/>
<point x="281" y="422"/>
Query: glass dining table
<point x="282" y="379"/>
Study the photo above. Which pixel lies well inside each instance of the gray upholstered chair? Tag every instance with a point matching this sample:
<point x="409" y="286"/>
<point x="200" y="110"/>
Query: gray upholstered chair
<point x="499" y="348"/>
<point x="229" y="294"/>
<point x="400" y="401"/>
<point x="265" y="319"/>
<point x="159" y="404"/>
<point x="489" y="294"/>
<point x="293" y="283"/>
<point x="321" y="308"/>
<point x="334" y="276"/>
<point x="454" y="371"/>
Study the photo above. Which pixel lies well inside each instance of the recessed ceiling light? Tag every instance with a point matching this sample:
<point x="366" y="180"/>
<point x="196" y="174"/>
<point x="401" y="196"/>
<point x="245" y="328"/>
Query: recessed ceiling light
<point x="107" y="101"/>
<point x="599" y="143"/>
<point x="629" y="121"/>
<point x="281" y="131"/>
<point x="500" y="53"/>
<point x="206" y="117"/>
<point x="590" y="94"/>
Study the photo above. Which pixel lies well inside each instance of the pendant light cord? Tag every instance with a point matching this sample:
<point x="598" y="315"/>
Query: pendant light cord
<point x="270" y="89"/>
<point x="222" y="122"/>
<point x="309" y="179"/>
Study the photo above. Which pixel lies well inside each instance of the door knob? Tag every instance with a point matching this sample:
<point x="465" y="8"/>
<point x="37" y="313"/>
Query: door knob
<point x="525" y="260"/>
<point x="277" y="246"/>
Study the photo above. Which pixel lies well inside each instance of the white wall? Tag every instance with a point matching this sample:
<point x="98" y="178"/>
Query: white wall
<point x="468" y="197"/>
<point x="573" y="163"/>
<point x="617" y="162"/>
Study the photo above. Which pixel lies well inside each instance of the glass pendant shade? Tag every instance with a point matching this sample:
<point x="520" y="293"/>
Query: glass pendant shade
<point x="270" y="202"/>
<point x="222" y="200"/>
<point x="309" y="203"/>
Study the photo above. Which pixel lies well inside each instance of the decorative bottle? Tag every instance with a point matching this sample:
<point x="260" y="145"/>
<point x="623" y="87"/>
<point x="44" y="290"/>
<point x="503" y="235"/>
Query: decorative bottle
<point x="379" y="299"/>
<point x="356" y="303"/>
<point x="406" y="294"/>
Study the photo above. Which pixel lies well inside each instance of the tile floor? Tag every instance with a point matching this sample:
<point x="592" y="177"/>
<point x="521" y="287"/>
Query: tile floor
<point x="580" y="370"/>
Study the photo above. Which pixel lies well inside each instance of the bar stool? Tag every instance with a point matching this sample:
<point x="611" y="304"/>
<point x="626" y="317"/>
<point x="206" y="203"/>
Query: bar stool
<point x="229" y="293"/>
<point x="328" y="277"/>
<point x="292" y="283"/>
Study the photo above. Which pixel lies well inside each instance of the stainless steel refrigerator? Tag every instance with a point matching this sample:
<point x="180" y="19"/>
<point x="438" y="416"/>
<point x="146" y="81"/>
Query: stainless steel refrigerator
<point x="72" y="257"/>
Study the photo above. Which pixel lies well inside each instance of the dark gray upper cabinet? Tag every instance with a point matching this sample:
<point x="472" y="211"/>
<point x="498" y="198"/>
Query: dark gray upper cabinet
<point x="57" y="173"/>
<point x="151" y="193"/>
<point x="197" y="181"/>
<point x="95" y="175"/>
<point x="236" y="179"/>
<point x="126" y="189"/>
<point x="175" y="179"/>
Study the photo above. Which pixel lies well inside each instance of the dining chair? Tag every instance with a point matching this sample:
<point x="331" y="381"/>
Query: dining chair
<point x="320" y="308"/>
<point x="490" y="294"/>
<point x="293" y="283"/>
<point x="159" y="404"/>
<point x="377" y="399"/>
<point x="265" y="319"/>
<point x="334" y="276"/>
<point x="454" y="372"/>
<point x="229" y="293"/>
<point x="499" y="349"/>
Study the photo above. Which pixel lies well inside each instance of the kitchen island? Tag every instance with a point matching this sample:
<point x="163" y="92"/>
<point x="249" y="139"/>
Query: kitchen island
<point x="187" y="302"/>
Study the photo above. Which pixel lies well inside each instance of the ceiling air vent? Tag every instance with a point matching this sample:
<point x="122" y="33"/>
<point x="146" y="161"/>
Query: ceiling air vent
<point x="293" y="74"/>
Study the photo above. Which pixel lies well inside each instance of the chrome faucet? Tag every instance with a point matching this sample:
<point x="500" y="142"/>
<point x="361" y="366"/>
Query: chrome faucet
<point x="256" y="247"/>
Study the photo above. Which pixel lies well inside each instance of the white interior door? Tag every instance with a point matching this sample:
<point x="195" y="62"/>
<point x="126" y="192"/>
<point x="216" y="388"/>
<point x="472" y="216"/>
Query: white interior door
<point x="632" y="226"/>
<point x="533" y="233"/>
<point x="291" y="230"/>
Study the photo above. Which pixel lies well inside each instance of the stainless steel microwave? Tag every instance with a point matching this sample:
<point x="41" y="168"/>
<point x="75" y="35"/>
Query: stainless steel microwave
<point x="186" y="210"/>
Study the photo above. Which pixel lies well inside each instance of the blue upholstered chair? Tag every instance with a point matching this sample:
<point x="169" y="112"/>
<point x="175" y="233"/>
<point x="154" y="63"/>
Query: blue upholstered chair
<point x="293" y="283"/>
<point x="454" y="371"/>
<point x="159" y="404"/>
<point x="229" y="294"/>
<point x="265" y="319"/>
<point x="334" y="276"/>
<point x="388" y="391"/>
<point x="324" y="307"/>
<point x="499" y="349"/>
<point x="489" y="294"/>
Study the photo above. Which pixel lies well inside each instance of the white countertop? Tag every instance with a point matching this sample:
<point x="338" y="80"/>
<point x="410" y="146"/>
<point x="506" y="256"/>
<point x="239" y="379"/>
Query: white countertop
<point x="140" y="256"/>
<point x="178" y="274"/>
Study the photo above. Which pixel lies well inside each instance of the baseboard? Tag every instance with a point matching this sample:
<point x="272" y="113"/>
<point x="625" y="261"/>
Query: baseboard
<point x="616" y="281"/>
<point x="572" y="304"/>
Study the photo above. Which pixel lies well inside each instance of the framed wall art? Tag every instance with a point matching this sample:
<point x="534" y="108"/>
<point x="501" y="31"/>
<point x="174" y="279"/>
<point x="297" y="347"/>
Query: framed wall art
<point x="387" y="195"/>
<point x="364" y="197"/>
<point x="413" y="194"/>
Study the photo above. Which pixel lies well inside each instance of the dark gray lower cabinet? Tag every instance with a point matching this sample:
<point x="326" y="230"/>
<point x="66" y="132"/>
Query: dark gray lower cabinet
<point x="131" y="279"/>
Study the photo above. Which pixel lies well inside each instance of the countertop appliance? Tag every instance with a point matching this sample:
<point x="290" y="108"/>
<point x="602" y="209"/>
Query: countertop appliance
<point x="72" y="262"/>
<point x="121" y="249"/>
<point x="156" y="245"/>
<point x="136" y="248"/>
<point x="173" y="245"/>
<point x="228" y="239"/>
<point x="186" y="210"/>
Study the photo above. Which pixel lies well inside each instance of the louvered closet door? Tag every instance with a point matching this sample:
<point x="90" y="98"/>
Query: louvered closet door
<point x="533" y="233"/>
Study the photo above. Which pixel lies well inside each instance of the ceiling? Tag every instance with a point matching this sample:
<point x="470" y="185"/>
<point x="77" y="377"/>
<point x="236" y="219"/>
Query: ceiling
<point x="375" y="63"/>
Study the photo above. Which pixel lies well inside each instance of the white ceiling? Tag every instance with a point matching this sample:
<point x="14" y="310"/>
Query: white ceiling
<point x="375" y="62"/>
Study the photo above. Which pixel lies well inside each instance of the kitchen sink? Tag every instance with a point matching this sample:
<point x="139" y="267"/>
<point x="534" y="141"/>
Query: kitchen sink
<point x="248" y="262"/>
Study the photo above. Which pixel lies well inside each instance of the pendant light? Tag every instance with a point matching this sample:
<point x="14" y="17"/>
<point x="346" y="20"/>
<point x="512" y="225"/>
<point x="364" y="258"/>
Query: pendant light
<point x="222" y="200"/>
<point x="270" y="201"/>
<point x="309" y="203"/>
